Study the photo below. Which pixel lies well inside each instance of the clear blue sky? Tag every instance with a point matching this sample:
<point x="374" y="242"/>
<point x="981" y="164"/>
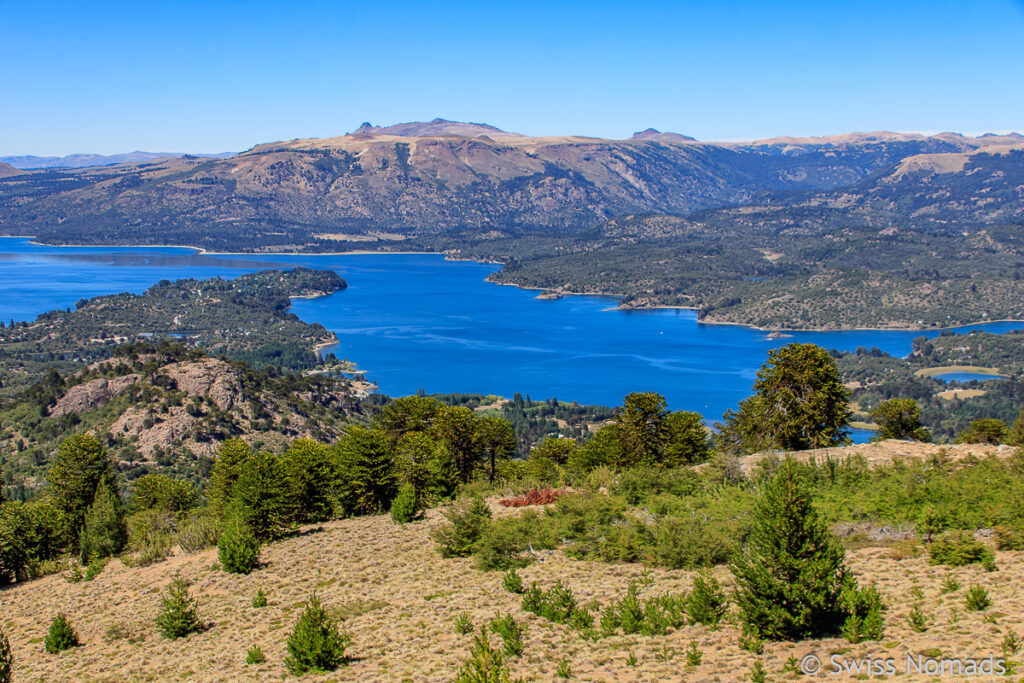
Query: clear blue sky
<point x="222" y="76"/>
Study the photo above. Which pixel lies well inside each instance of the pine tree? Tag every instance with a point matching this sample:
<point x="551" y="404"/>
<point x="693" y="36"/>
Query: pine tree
<point x="497" y="439"/>
<point x="178" y="611"/>
<point x="61" y="635"/>
<point x="231" y="456"/>
<point x="405" y="507"/>
<point x="6" y="658"/>
<point x="238" y="549"/>
<point x="315" y="644"/>
<point x="899" y="418"/>
<point x="791" y="575"/>
<point x="263" y="498"/>
<point x="485" y="664"/>
<point x="309" y="468"/>
<point x="803" y="398"/>
<point x="1016" y="436"/>
<point x="78" y="468"/>
<point x="365" y="469"/>
<point x="104" y="533"/>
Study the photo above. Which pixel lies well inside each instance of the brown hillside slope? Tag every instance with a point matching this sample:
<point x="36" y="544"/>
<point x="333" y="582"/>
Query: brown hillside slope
<point x="399" y="601"/>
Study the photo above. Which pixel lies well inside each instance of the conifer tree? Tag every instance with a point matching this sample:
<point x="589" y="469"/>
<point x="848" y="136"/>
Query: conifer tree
<point x="791" y="575"/>
<point x="263" y="498"/>
<point x="6" y="658"/>
<point x="455" y="427"/>
<point x="405" y="507"/>
<point x="310" y="470"/>
<point x="899" y="418"/>
<point x="1016" y="436"/>
<point x="104" y="533"/>
<point x="238" y="549"/>
<point x="231" y="456"/>
<point x="802" y="396"/>
<point x="497" y="439"/>
<point x="78" y="467"/>
<point x="365" y="469"/>
<point x="61" y="635"/>
<point x="178" y="615"/>
<point x="315" y="644"/>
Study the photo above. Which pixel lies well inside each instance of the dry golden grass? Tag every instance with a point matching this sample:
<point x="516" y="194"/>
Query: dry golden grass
<point x="399" y="599"/>
<point x="950" y="394"/>
<point x="945" y="369"/>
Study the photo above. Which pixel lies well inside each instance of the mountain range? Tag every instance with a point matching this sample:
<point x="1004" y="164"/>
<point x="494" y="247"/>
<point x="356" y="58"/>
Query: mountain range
<point x="473" y="190"/>
<point x="30" y="162"/>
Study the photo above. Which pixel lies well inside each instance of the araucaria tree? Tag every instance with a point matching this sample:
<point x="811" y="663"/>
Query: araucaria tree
<point x="315" y="644"/>
<point x="899" y="418"/>
<point x="178" y="612"/>
<point x="6" y="658"/>
<point x="801" y="398"/>
<point x="791" y="575"/>
<point x="104" y="533"/>
<point x="78" y="468"/>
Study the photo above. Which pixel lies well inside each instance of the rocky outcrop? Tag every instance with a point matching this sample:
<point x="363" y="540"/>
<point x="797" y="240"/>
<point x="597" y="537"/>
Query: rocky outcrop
<point x="91" y="394"/>
<point x="209" y="377"/>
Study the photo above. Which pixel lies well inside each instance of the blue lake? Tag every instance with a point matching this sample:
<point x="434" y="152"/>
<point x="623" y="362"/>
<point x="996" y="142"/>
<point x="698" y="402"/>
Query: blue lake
<point x="417" y="321"/>
<point x="965" y="377"/>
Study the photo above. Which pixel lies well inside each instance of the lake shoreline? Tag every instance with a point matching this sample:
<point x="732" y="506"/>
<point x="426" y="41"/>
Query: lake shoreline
<point x="449" y="257"/>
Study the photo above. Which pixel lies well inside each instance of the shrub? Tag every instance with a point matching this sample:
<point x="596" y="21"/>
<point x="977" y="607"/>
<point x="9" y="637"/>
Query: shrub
<point x="706" y="604"/>
<point x="178" y="615"/>
<point x="95" y="567"/>
<point x="405" y="507"/>
<point x="792" y="574"/>
<point x="1009" y="538"/>
<point x="977" y="599"/>
<point x="865" y="609"/>
<point x="198" y="533"/>
<point x="959" y="548"/>
<point x="559" y="604"/>
<point x="6" y="658"/>
<point x="533" y="497"/>
<point x="511" y="633"/>
<point x="238" y="550"/>
<point x="260" y="600"/>
<point x="500" y="546"/>
<point x="512" y="582"/>
<point x="950" y="584"/>
<point x="485" y="664"/>
<point x="153" y="550"/>
<point x="463" y="624"/>
<point x="315" y="644"/>
<point x="61" y="635"/>
<point x="467" y="519"/>
<point x="254" y="655"/>
<point x="916" y="620"/>
<point x="693" y="654"/>
<point x="757" y="674"/>
<point x="752" y="643"/>
<point x="688" y="542"/>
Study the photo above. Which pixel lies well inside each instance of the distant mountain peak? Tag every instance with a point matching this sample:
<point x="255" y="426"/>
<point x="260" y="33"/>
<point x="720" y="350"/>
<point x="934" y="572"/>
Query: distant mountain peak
<point x="439" y="126"/>
<point x="658" y="136"/>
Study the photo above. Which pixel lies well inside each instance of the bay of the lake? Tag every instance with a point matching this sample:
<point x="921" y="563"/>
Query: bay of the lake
<point x="417" y="321"/>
